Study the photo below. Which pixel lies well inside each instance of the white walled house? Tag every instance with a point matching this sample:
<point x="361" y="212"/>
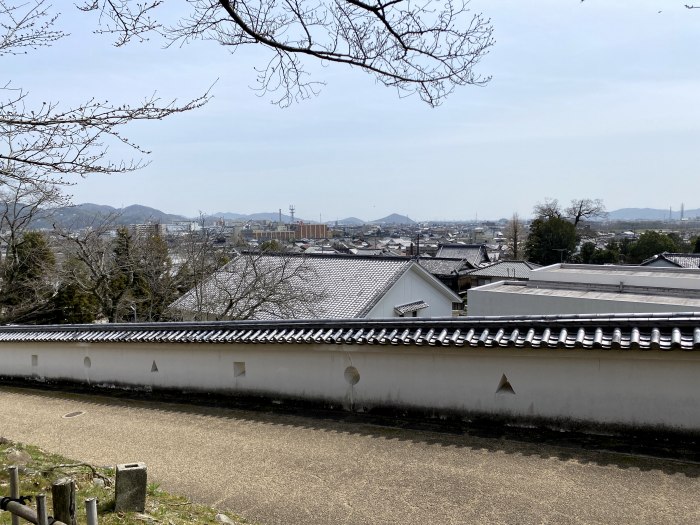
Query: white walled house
<point x="326" y="286"/>
<point x="590" y="289"/>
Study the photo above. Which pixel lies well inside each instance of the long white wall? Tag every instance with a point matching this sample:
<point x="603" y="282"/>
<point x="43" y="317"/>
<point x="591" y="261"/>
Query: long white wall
<point x="607" y="386"/>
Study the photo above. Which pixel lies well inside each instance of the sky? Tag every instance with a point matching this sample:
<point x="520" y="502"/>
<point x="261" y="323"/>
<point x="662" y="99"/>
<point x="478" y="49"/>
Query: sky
<point x="594" y="99"/>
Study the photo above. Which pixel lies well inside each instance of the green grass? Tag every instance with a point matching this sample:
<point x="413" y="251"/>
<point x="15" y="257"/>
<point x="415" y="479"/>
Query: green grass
<point x="39" y="469"/>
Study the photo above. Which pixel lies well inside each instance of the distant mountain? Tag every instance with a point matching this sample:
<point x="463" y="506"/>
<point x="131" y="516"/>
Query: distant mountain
<point x="270" y="217"/>
<point x="394" y="218"/>
<point x="649" y="214"/>
<point x="350" y="221"/>
<point x="262" y="216"/>
<point x="84" y="215"/>
<point x="137" y="214"/>
<point x="227" y="215"/>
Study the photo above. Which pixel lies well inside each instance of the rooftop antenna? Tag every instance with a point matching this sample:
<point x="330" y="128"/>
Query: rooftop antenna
<point x="291" y="211"/>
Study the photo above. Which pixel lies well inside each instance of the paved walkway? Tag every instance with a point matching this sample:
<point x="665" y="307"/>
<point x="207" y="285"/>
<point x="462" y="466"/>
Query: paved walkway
<point x="279" y="469"/>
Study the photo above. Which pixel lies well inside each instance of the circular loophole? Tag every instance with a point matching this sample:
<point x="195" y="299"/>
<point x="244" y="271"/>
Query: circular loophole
<point x="73" y="414"/>
<point x="87" y="362"/>
<point x="352" y="376"/>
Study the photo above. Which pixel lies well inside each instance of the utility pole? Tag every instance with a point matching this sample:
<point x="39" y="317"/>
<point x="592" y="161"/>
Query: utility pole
<point x="561" y="254"/>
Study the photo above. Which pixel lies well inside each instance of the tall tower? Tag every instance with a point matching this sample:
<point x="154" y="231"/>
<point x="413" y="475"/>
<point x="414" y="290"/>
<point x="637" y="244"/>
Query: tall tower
<point x="291" y="211"/>
<point x="682" y="210"/>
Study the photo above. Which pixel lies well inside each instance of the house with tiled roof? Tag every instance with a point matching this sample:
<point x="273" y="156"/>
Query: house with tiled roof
<point x="453" y="261"/>
<point x="474" y="255"/>
<point x="451" y="272"/>
<point x="674" y="260"/>
<point x="325" y="286"/>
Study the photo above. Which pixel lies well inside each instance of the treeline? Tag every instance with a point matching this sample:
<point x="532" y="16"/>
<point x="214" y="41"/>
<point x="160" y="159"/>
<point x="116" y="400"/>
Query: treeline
<point x="628" y="251"/>
<point x="98" y="275"/>
<point x="554" y="237"/>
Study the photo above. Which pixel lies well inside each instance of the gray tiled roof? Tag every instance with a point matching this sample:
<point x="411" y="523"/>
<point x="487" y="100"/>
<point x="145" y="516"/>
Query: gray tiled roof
<point x="664" y="331"/>
<point x="410" y="307"/>
<point x="512" y="269"/>
<point x="342" y="286"/>
<point x="442" y="266"/>
<point x="682" y="260"/>
<point x="474" y="254"/>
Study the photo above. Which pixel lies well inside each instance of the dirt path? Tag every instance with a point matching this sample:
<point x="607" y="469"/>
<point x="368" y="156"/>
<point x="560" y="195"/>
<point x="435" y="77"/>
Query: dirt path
<point x="279" y="469"/>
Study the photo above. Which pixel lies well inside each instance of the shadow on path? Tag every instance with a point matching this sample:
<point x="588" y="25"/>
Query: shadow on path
<point x="645" y="450"/>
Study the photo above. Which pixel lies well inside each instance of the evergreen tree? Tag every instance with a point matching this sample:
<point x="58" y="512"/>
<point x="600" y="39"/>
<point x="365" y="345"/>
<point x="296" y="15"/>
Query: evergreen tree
<point x="28" y="278"/>
<point x="550" y="241"/>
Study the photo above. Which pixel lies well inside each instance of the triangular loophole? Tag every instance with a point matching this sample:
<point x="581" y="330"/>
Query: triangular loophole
<point x="504" y="386"/>
<point x="154" y="367"/>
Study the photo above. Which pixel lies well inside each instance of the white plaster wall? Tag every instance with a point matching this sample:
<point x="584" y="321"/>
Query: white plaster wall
<point x="482" y="302"/>
<point x="624" y="387"/>
<point x="412" y="286"/>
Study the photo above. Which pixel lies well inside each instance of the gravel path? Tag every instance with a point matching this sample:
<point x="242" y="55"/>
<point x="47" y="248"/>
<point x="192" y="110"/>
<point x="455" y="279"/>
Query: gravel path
<point x="279" y="469"/>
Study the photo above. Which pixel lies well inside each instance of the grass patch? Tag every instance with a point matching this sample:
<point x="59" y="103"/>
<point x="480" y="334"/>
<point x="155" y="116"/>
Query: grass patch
<point x="39" y="469"/>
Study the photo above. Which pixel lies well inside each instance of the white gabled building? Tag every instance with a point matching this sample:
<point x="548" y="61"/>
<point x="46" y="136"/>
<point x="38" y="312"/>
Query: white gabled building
<point x="342" y="287"/>
<point x="590" y="289"/>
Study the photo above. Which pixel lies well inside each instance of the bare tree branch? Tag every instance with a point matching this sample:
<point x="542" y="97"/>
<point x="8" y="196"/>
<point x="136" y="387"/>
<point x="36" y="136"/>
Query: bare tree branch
<point x="26" y="26"/>
<point x="548" y="209"/>
<point x="415" y="46"/>
<point x="581" y="209"/>
<point x="126" y="21"/>
<point x="45" y="141"/>
<point x="254" y="286"/>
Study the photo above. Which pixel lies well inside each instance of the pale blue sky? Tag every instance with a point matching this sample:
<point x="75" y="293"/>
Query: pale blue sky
<point x="598" y="99"/>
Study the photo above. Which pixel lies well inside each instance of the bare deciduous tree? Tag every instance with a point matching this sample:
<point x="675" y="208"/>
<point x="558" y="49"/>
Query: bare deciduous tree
<point x="582" y="209"/>
<point x="23" y="199"/>
<point x="578" y="210"/>
<point x="95" y="270"/>
<point x="27" y="279"/>
<point x="255" y="286"/>
<point x="423" y="47"/>
<point x="196" y="259"/>
<point x="27" y="265"/>
<point x="516" y="233"/>
<point x="548" y="209"/>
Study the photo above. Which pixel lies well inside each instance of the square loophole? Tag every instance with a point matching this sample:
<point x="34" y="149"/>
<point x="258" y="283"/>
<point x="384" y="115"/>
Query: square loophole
<point x="239" y="369"/>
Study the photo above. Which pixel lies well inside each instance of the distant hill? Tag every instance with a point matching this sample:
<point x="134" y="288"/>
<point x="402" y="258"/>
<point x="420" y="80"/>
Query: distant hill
<point x="84" y="215"/>
<point x="351" y="221"/>
<point x="649" y="214"/>
<point x="394" y="218"/>
<point x="262" y="216"/>
<point x="226" y="215"/>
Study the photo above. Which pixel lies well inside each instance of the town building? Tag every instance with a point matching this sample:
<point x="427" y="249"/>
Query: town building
<point x="500" y="271"/>
<point x="326" y="286"/>
<point x="590" y="289"/>
<point x="674" y="260"/>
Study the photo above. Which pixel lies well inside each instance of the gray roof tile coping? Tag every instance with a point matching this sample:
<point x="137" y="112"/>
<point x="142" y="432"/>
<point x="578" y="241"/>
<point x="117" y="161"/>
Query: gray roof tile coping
<point x="658" y="331"/>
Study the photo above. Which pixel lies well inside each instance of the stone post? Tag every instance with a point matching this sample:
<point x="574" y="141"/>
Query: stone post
<point x="130" y="488"/>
